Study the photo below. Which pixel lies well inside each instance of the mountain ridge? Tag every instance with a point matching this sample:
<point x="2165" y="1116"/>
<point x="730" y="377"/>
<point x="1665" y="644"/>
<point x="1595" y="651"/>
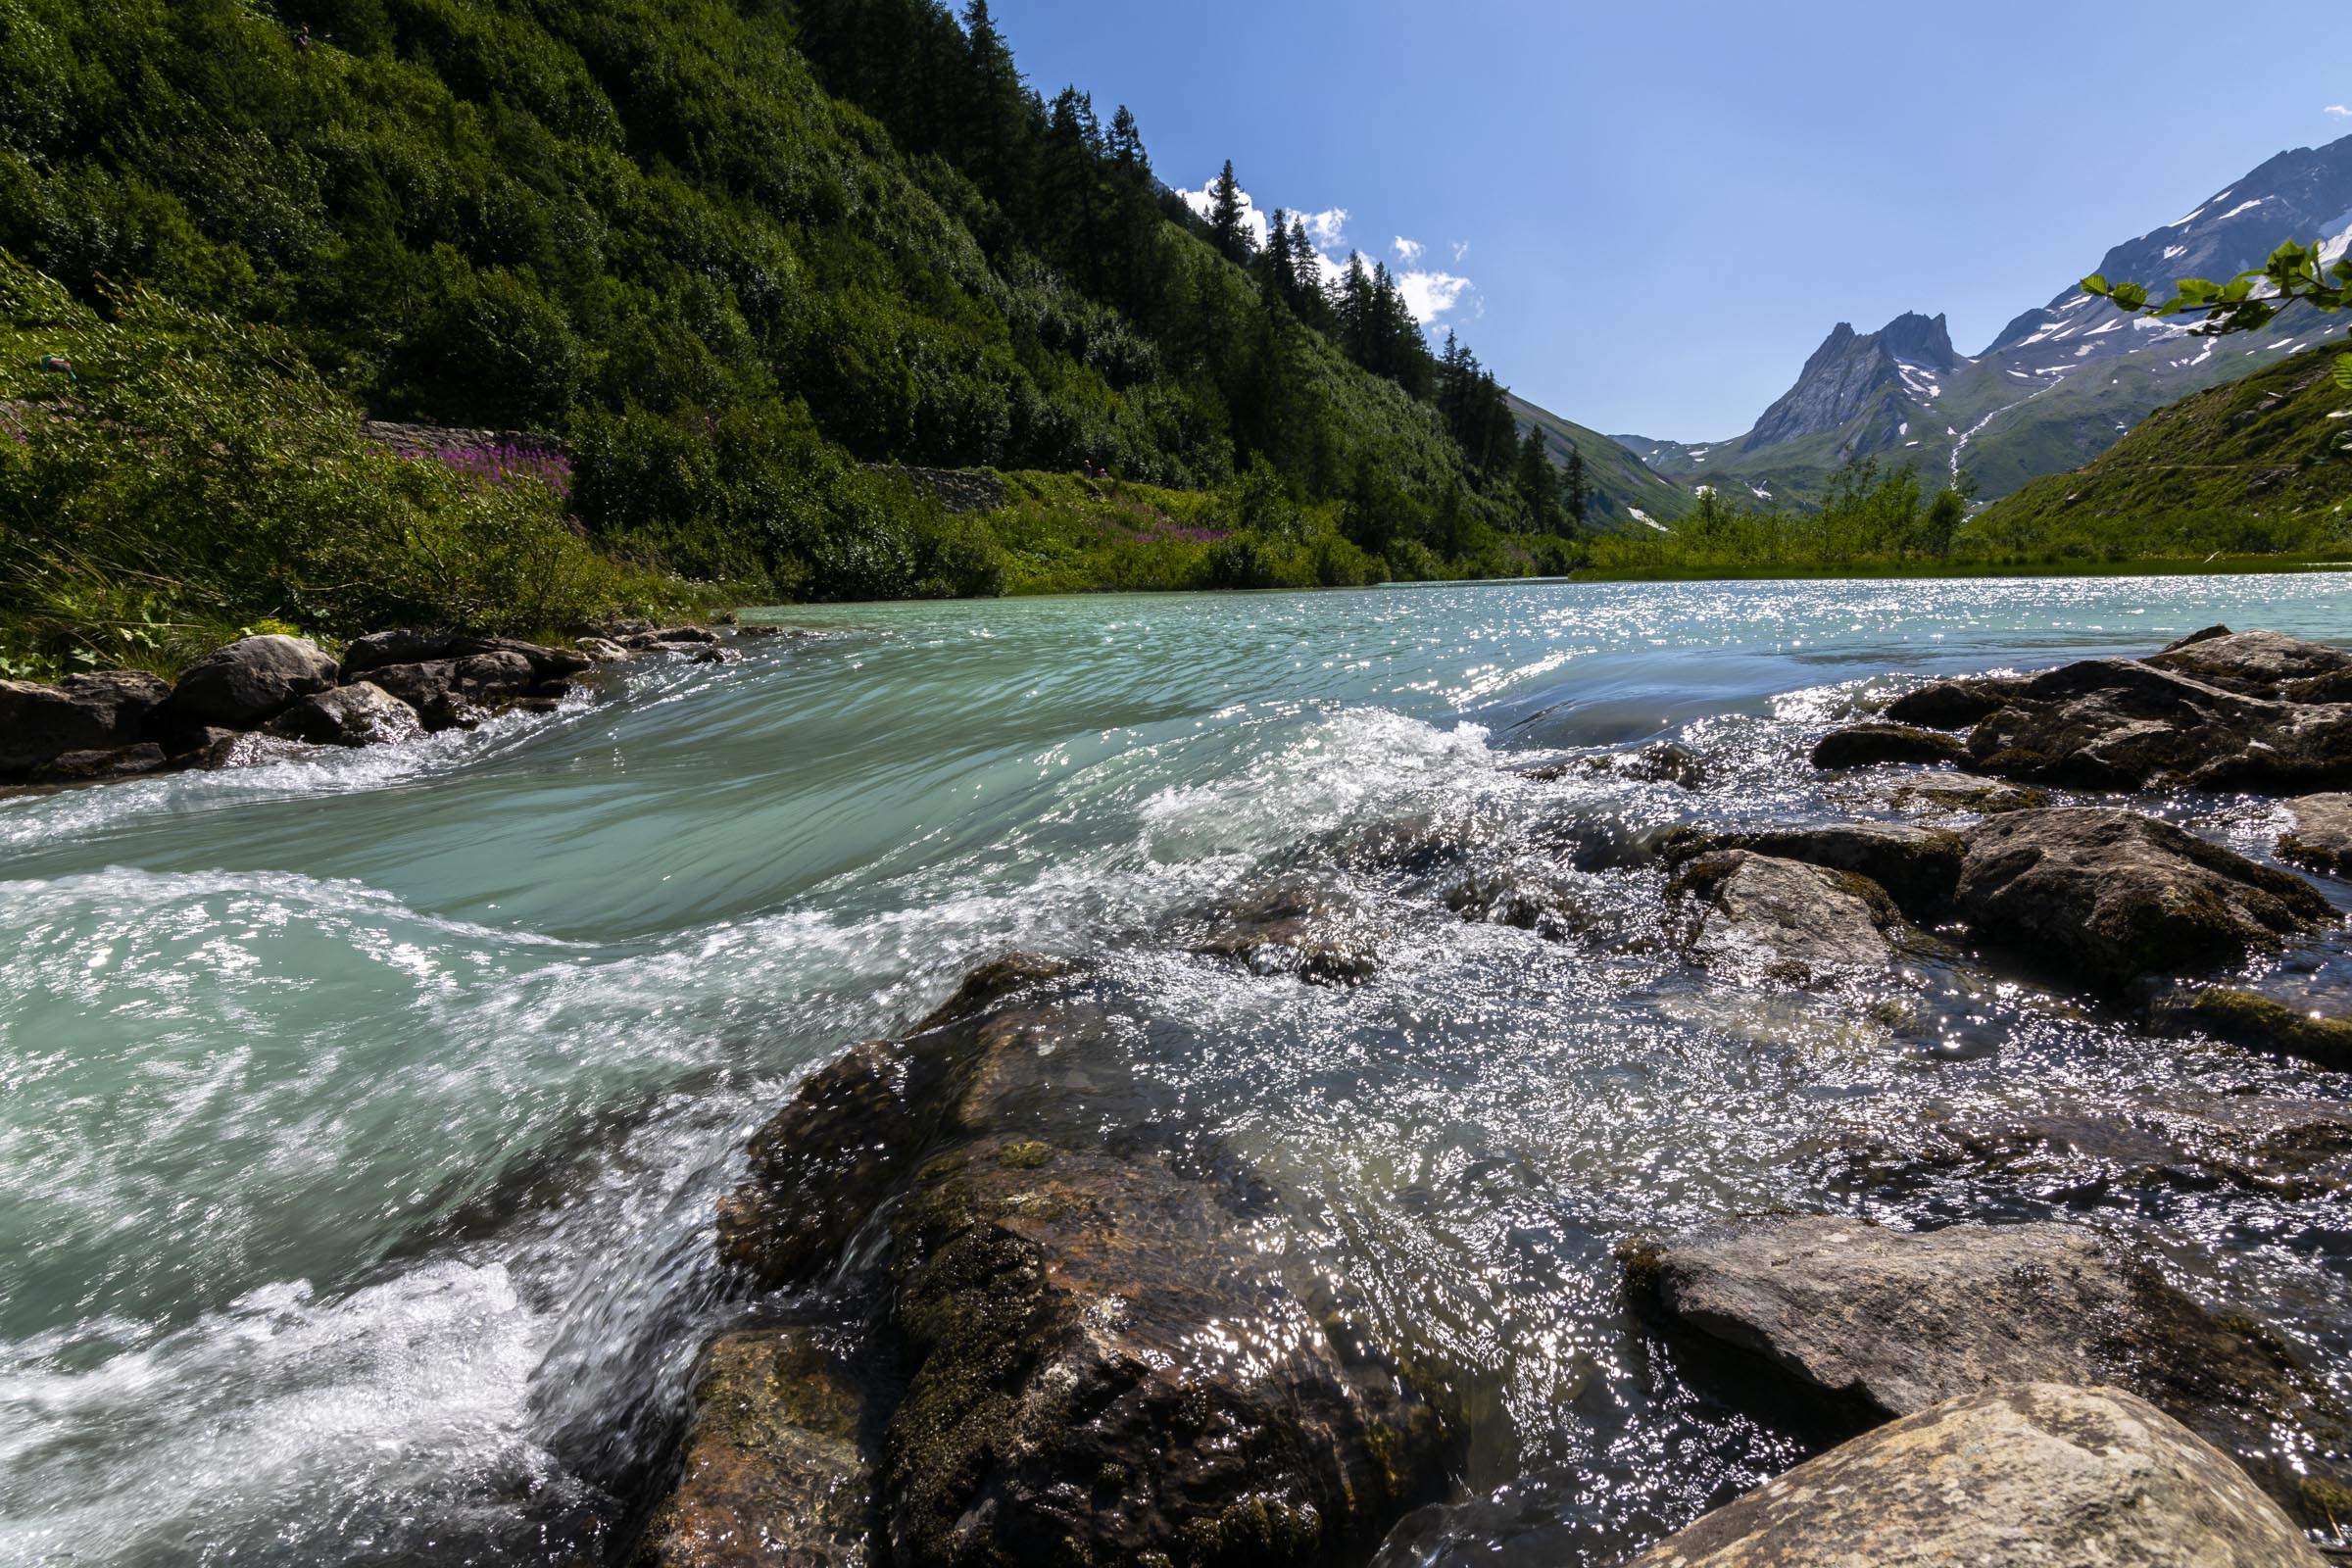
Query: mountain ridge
<point x="2058" y="385"/>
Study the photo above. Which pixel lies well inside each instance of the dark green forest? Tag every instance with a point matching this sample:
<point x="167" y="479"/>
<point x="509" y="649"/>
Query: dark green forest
<point x="740" y="258"/>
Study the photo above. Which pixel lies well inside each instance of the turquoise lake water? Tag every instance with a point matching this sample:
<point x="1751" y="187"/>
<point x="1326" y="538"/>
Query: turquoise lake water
<point x="363" y="1116"/>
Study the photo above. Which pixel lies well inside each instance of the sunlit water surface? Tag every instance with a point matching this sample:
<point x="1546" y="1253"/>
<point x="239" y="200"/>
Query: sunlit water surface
<point x="363" y="1117"/>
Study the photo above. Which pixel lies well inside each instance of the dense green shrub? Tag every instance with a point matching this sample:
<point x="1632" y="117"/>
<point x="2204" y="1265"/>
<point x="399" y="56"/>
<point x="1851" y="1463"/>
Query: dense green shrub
<point x="193" y="476"/>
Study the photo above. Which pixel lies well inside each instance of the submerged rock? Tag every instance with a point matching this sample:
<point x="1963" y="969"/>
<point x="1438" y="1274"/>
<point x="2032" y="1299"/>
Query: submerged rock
<point x="1296" y="930"/>
<point x="2123" y="896"/>
<point x="361" y="714"/>
<point x="774" y="1471"/>
<point x="96" y="710"/>
<point x="250" y="681"/>
<point x="1867" y="744"/>
<point x="1955" y="704"/>
<point x="2035" y="1476"/>
<point x="2084" y="1148"/>
<point x="2256" y="1022"/>
<point x="1938" y="791"/>
<point x="1659" y="762"/>
<point x="1100" y="1361"/>
<point x="1800" y="923"/>
<point x="1894" y="1322"/>
<point x="2321" y="836"/>
<point x="1918" y="867"/>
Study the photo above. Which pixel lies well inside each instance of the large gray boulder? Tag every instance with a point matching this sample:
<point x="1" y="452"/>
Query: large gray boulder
<point x="249" y="682"/>
<point x="1786" y="921"/>
<point x="2119" y="895"/>
<point x="1896" y="1321"/>
<point x="2038" y="1475"/>
<point x="385" y="648"/>
<point x="2319" y="834"/>
<point x="361" y="714"/>
<point x="98" y="710"/>
<point x="458" y="693"/>
<point x="2260" y="664"/>
<point x="2122" y="724"/>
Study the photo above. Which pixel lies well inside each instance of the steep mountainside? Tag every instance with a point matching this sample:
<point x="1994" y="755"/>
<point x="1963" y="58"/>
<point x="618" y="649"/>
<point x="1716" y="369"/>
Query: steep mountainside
<point x="733" y="251"/>
<point x="2059" y="385"/>
<point x="2252" y="456"/>
<point x="1620" y="490"/>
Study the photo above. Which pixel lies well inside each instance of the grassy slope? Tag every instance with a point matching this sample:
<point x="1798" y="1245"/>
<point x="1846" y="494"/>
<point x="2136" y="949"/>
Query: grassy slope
<point x="2268" y="446"/>
<point x="1615" y="477"/>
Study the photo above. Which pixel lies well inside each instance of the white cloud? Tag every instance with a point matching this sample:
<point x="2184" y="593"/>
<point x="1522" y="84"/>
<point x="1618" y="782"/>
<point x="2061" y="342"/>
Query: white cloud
<point x="2339" y="110"/>
<point x="1461" y="251"/>
<point x="1429" y="295"/>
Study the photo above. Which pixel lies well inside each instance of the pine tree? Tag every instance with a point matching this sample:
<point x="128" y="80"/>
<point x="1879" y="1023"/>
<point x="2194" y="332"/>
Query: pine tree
<point x="1127" y="144"/>
<point x="1538" y="482"/>
<point x="1572" y="491"/>
<point x="1226" y="227"/>
<point x="1280" y="277"/>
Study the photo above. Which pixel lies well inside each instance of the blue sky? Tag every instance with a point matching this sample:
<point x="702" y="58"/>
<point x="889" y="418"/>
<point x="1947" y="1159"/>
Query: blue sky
<point x="1663" y="208"/>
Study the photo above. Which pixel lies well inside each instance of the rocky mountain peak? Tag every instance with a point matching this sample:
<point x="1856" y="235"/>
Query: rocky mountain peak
<point x="1850" y="372"/>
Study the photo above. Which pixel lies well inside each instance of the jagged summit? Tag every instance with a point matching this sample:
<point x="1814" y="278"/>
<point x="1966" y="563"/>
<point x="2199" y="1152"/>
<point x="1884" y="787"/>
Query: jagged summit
<point x="1851" y="376"/>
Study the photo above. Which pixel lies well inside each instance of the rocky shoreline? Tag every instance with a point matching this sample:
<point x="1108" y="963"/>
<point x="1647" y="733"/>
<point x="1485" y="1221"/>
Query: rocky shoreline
<point x="993" y="1312"/>
<point x="261" y="699"/>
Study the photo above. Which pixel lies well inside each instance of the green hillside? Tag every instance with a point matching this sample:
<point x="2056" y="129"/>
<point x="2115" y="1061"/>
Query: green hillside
<point x="2263" y="464"/>
<point x="1616" y="481"/>
<point x="737" y="255"/>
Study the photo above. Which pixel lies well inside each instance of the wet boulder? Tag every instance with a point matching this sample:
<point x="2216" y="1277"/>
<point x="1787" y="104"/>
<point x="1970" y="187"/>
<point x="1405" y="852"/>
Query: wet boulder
<point x="1097" y="1360"/>
<point x="774" y="1471"/>
<point x="1893" y="1322"/>
<point x="361" y="714"/>
<point x="2122" y="724"/>
<point x="1955" y="704"/>
<point x="387" y="648"/>
<point x="2260" y="664"/>
<point x="97" y="711"/>
<point x="2119" y="895"/>
<point x="2038" y="1475"/>
<point x="1868" y="745"/>
<point x="673" y="638"/>
<point x="119" y="762"/>
<point x="459" y="692"/>
<point x="1789" y="922"/>
<point x="1917" y="866"/>
<point x="249" y="682"/>
<point x="2256" y="1022"/>
<point x="602" y="649"/>
<point x="2321" y="833"/>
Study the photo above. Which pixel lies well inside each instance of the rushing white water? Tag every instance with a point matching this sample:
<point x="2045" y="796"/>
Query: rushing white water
<point x="364" y="1115"/>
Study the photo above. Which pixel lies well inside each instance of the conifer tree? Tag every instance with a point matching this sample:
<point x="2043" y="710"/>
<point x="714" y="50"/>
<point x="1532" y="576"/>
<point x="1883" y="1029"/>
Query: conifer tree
<point x="1227" y="228"/>
<point x="1572" y="491"/>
